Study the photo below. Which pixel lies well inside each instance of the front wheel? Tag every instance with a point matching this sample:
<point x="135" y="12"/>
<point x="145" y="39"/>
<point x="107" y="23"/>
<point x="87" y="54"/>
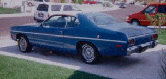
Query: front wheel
<point x="89" y="54"/>
<point x="135" y="22"/>
<point x="24" y="45"/>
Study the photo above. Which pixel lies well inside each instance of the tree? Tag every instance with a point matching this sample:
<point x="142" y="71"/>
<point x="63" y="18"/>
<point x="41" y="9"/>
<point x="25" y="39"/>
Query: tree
<point x="157" y="20"/>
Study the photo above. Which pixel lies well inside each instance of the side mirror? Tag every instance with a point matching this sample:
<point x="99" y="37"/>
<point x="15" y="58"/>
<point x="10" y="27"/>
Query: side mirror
<point x="41" y="24"/>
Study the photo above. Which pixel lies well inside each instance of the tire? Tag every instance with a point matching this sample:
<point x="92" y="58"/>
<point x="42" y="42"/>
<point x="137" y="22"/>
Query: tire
<point x="24" y="45"/>
<point x="135" y="22"/>
<point x="89" y="54"/>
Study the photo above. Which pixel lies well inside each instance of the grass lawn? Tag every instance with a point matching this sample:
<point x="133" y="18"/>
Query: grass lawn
<point x="162" y="37"/>
<point x="9" y="11"/>
<point x="14" y="68"/>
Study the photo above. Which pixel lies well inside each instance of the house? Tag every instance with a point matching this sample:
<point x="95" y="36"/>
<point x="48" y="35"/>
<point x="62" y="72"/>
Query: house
<point x="11" y="3"/>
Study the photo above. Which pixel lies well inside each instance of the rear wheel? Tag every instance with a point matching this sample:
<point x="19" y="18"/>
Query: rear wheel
<point x="89" y="54"/>
<point x="24" y="45"/>
<point x="135" y="22"/>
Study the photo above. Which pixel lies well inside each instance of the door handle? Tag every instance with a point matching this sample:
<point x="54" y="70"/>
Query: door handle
<point x="61" y="32"/>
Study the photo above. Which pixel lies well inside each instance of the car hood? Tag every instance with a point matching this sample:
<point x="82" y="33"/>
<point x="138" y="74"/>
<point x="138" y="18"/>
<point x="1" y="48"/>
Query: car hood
<point x="129" y="29"/>
<point x="32" y="24"/>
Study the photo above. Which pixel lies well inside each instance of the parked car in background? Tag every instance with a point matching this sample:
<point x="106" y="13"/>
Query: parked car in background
<point x="36" y="2"/>
<point x="139" y="18"/>
<point x="47" y="9"/>
<point x="122" y="5"/>
<point x="91" y="35"/>
<point x="132" y="3"/>
<point x="90" y="2"/>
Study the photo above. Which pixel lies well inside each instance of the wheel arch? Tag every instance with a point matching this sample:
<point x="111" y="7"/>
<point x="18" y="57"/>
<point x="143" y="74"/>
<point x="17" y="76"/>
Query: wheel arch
<point x="19" y="35"/>
<point x="80" y="43"/>
<point x="135" y="20"/>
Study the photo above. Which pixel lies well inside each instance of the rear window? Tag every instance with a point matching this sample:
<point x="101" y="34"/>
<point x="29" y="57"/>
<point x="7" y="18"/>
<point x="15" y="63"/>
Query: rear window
<point x="162" y="8"/>
<point x="43" y="7"/>
<point x="55" y="7"/>
<point x="102" y="20"/>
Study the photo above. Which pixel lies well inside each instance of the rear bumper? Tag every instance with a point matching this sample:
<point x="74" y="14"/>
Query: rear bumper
<point x="142" y="47"/>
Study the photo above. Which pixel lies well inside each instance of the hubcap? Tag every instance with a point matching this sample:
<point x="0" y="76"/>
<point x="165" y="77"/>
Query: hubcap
<point x="22" y="44"/>
<point x="88" y="53"/>
<point x="135" y="23"/>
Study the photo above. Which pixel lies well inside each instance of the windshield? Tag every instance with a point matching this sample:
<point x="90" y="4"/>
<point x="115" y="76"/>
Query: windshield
<point x="103" y="20"/>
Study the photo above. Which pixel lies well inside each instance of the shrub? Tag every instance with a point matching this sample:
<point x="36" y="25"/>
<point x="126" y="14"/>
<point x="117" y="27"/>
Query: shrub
<point x="80" y="1"/>
<point x="157" y="20"/>
<point x="75" y="1"/>
<point x="62" y="1"/>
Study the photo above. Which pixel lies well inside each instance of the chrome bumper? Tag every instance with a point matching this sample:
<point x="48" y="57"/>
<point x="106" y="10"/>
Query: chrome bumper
<point x="141" y="48"/>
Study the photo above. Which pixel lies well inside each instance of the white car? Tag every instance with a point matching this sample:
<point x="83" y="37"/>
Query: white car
<point x="45" y="10"/>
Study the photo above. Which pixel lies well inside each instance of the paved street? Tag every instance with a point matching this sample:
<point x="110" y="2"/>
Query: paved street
<point x="123" y="13"/>
<point x="137" y="66"/>
<point x="6" y="23"/>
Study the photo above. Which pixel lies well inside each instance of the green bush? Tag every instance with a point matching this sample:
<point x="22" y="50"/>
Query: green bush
<point x="75" y="1"/>
<point x="62" y="1"/>
<point x="80" y="1"/>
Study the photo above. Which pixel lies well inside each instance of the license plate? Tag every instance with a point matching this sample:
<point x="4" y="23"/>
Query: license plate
<point x="40" y="14"/>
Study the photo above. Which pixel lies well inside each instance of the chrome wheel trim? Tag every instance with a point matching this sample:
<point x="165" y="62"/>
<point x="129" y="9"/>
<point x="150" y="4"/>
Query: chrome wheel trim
<point x="88" y="53"/>
<point x="23" y="44"/>
<point x="135" y="23"/>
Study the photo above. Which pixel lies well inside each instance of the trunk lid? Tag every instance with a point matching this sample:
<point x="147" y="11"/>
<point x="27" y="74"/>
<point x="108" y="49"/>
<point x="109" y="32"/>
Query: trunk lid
<point x="129" y="29"/>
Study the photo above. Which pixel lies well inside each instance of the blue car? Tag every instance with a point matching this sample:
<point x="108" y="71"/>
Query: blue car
<point x="91" y="35"/>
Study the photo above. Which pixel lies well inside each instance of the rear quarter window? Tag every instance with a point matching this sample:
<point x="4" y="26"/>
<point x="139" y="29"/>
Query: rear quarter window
<point x="55" y="7"/>
<point x="43" y="7"/>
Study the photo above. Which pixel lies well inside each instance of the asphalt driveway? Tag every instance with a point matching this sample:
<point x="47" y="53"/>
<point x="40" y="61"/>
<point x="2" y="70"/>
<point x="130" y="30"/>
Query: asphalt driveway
<point x="137" y="66"/>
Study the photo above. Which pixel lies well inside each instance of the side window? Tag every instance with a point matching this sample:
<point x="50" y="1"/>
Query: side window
<point x="67" y="8"/>
<point x="162" y="8"/>
<point x="55" y="7"/>
<point x="72" y="21"/>
<point x="150" y="9"/>
<point x="40" y="0"/>
<point x="55" y="21"/>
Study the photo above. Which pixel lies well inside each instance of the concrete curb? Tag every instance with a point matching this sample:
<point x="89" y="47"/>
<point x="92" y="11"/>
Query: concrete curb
<point x="15" y="15"/>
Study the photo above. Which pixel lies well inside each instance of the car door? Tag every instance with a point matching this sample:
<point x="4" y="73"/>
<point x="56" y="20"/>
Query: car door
<point x="151" y="10"/>
<point x="70" y="33"/>
<point x="50" y="33"/>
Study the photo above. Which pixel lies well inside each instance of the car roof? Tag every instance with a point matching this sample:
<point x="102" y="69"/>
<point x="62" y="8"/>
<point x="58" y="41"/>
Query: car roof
<point x="84" y="13"/>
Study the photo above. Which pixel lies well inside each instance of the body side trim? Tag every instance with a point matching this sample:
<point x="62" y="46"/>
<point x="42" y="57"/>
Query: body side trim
<point x="72" y="37"/>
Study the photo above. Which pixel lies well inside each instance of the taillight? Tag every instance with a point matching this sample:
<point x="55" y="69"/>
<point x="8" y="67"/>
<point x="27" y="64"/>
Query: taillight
<point x="131" y="41"/>
<point x="154" y="36"/>
<point x="48" y="16"/>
